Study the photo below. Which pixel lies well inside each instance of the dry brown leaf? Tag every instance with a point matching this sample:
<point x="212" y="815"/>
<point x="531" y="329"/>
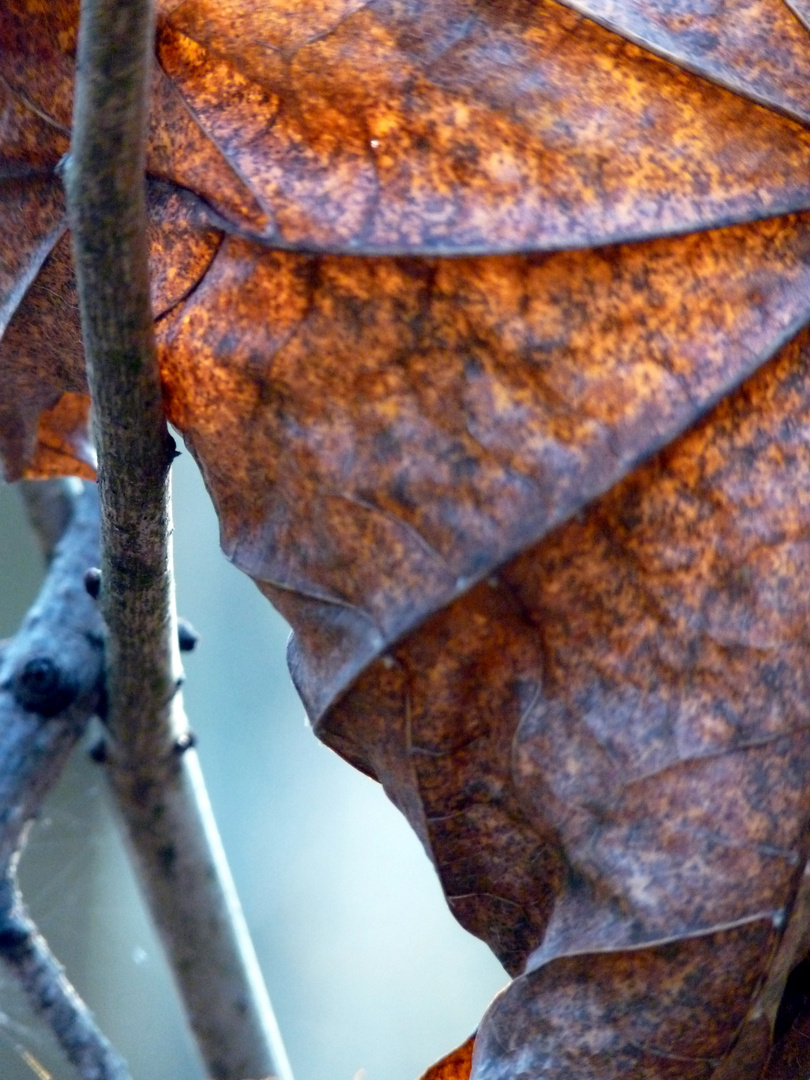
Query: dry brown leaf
<point x="461" y="126"/>
<point x="455" y="1066"/>
<point x="538" y="513"/>
<point x="63" y="444"/>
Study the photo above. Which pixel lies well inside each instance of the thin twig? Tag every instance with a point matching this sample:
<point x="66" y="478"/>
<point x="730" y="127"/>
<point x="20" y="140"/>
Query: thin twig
<point x="158" y="788"/>
<point x="51" y="679"/>
<point x="51" y="995"/>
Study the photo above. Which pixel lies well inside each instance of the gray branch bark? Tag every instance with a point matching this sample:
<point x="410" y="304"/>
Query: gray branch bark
<point x="158" y="788"/>
<point x="51" y="683"/>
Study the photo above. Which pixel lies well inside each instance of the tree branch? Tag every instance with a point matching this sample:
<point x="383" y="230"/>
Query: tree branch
<point x="158" y="788"/>
<point x="51" y="678"/>
<point x="51" y="995"/>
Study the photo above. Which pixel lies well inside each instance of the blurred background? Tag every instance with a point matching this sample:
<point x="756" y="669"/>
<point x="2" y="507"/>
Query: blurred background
<point x="370" y="976"/>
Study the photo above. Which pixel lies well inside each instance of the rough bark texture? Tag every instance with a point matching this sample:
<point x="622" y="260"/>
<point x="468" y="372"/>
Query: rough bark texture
<point x="158" y="789"/>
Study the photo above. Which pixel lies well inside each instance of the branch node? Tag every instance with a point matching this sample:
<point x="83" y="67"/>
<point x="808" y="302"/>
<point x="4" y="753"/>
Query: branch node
<point x="184" y="742"/>
<point x="42" y="686"/>
<point x="92" y="581"/>
<point x="98" y="751"/>
<point x="187" y="636"/>
<point x="15" y="933"/>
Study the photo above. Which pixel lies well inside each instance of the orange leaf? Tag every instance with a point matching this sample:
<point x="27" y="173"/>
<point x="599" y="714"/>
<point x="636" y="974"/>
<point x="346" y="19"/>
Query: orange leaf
<point x="455" y="1066"/>
<point x="538" y="512"/>
<point x="63" y="447"/>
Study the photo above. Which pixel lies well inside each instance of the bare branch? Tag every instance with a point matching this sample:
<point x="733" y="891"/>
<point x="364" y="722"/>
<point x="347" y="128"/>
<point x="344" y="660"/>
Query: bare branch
<point x="51" y="995"/>
<point x="159" y="790"/>
<point x="51" y="678"/>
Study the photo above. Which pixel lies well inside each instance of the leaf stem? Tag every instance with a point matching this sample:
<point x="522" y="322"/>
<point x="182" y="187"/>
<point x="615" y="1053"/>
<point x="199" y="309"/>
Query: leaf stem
<point x="159" y="790"/>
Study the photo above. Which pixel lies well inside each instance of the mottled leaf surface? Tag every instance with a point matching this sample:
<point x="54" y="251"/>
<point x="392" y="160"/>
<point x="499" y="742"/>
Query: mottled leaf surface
<point x="757" y="48"/>
<point x="442" y="126"/>
<point x="487" y="323"/>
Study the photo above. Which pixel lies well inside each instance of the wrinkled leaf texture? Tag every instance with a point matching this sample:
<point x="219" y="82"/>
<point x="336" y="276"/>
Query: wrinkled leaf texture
<point x="487" y="323"/>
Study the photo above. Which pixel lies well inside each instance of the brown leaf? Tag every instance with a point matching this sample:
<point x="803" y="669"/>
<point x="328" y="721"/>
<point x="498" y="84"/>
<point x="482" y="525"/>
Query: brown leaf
<point x="790" y="1056"/>
<point x="596" y="1016"/>
<point x="553" y="401"/>
<point x="43" y="413"/>
<point x="40" y="352"/>
<point x="459" y="126"/>
<point x="455" y="1066"/>
<point x="537" y="513"/>
<point x="63" y="446"/>
<point x="719" y="43"/>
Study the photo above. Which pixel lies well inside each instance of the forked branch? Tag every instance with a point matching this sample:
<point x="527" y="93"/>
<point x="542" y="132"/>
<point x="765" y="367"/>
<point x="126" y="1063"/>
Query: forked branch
<point x="51" y="677"/>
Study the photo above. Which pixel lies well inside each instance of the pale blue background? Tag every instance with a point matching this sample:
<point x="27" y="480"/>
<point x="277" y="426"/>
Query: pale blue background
<point x="370" y="976"/>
